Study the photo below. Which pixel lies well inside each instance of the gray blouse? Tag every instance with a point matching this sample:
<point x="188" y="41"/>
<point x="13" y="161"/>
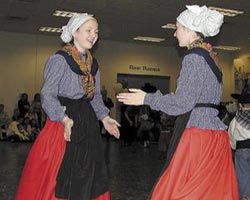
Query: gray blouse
<point x="60" y="80"/>
<point x="196" y="84"/>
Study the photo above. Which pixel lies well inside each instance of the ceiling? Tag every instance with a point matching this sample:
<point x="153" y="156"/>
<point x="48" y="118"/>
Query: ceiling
<point x="121" y="20"/>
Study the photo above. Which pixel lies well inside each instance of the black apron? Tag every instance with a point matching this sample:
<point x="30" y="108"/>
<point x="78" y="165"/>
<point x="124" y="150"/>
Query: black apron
<point x="83" y="172"/>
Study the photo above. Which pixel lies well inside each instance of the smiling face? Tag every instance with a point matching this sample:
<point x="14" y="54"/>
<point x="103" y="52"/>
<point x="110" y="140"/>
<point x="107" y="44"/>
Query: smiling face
<point x="184" y="35"/>
<point x="86" y="36"/>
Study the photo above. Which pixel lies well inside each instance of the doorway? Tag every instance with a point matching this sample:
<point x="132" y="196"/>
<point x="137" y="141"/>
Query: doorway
<point x="150" y="83"/>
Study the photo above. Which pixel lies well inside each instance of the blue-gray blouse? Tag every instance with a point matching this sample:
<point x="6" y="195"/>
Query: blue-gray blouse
<point x="60" y="80"/>
<point x="196" y="84"/>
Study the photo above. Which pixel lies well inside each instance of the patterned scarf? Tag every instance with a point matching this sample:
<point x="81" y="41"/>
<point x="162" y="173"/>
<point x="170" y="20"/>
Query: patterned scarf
<point x="88" y="82"/>
<point x="201" y="44"/>
<point x="206" y="46"/>
<point x="243" y="118"/>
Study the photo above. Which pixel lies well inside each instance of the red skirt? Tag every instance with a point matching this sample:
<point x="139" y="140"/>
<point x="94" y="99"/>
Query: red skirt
<point x="201" y="169"/>
<point x="38" y="179"/>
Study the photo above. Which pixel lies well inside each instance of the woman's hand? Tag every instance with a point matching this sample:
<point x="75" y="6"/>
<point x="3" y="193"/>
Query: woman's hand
<point x="133" y="97"/>
<point x="111" y="126"/>
<point x="67" y="123"/>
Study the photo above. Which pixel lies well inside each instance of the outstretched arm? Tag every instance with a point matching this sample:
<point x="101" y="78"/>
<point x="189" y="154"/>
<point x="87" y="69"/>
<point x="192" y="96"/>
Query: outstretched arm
<point x="133" y="97"/>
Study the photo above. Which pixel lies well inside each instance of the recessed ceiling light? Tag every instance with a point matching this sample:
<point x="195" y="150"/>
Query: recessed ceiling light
<point x="50" y="29"/>
<point x="227" y="48"/>
<point x="169" y="26"/>
<point x="149" y="39"/>
<point x="227" y="12"/>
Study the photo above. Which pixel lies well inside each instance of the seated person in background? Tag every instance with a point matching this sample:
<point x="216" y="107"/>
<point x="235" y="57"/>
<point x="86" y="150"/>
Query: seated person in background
<point x="239" y="131"/>
<point x="34" y="129"/>
<point x="4" y="122"/>
<point x="32" y="115"/>
<point x="27" y="128"/>
<point x="15" y="131"/>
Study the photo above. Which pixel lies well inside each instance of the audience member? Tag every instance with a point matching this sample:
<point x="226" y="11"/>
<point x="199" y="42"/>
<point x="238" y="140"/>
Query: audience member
<point x="27" y="128"/>
<point x="34" y="129"/>
<point x="128" y="130"/>
<point x="144" y="133"/>
<point x="106" y="100"/>
<point x="15" y="131"/>
<point x="36" y="108"/>
<point x="166" y="128"/>
<point x="4" y="122"/>
<point x="231" y="108"/>
<point x="32" y="115"/>
<point x="23" y="105"/>
<point x="239" y="131"/>
<point x="109" y="104"/>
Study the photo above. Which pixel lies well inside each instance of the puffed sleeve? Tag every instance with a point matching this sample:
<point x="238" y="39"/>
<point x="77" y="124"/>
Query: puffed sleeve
<point x="53" y="73"/>
<point x="189" y="86"/>
<point x="97" y="102"/>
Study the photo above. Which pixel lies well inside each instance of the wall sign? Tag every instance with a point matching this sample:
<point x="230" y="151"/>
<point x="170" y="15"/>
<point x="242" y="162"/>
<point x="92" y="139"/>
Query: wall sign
<point x="144" y="68"/>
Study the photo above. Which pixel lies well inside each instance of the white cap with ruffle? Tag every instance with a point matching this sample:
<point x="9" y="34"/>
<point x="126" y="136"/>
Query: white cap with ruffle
<point x="74" y="23"/>
<point x="201" y="19"/>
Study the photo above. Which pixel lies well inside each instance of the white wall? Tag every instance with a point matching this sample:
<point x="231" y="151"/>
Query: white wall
<point x="22" y="58"/>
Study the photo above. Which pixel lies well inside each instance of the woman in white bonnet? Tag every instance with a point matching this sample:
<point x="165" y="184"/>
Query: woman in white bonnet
<point x="199" y="162"/>
<point x="67" y="160"/>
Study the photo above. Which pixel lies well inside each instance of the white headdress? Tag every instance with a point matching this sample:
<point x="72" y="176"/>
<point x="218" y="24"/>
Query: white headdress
<point x="74" y="23"/>
<point x="201" y="19"/>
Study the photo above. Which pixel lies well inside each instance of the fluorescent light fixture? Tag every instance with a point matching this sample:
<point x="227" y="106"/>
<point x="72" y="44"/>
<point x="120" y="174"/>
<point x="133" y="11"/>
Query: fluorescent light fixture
<point x="227" y="12"/>
<point x="50" y="29"/>
<point x="169" y="26"/>
<point x="227" y="48"/>
<point x="149" y="39"/>
<point x="60" y="13"/>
